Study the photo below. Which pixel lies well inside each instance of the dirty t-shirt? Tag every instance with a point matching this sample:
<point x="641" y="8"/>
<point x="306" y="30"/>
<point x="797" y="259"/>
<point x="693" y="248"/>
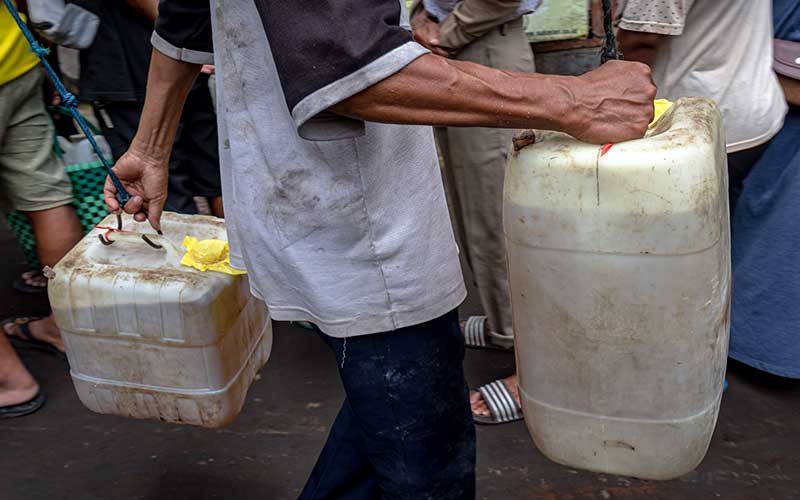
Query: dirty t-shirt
<point x="337" y="221"/>
<point x="718" y="49"/>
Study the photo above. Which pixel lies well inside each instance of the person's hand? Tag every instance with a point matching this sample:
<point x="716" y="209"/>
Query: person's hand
<point x="426" y="33"/>
<point x="208" y="69"/>
<point x="145" y="179"/>
<point x="613" y="103"/>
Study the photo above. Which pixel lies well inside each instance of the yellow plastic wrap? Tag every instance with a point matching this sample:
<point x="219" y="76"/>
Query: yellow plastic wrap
<point x="661" y="106"/>
<point x="208" y="255"/>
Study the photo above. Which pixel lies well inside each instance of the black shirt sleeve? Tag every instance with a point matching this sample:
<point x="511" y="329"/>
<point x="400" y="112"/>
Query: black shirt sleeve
<point x="317" y="42"/>
<point x="324" y="50"/>
<point x="183" y="31"/>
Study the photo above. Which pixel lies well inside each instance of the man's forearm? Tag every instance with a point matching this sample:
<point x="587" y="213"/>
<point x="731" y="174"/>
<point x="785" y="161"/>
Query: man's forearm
<point x="640" y="46"/>
<point x="791" y="89"/>
<point x="147" y="8"/>
<point x="436" y="91"/>
<point x="610" y="104"/>
<point x="168" y="83"/>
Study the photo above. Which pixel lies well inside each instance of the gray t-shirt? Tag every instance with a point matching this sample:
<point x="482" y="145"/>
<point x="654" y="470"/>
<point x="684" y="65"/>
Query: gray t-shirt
<point x="338" y="222"/>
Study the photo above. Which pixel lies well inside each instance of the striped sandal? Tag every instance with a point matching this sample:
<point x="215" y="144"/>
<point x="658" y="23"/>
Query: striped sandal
<point x="501" y="405"/>
<point x="475" y="335"/>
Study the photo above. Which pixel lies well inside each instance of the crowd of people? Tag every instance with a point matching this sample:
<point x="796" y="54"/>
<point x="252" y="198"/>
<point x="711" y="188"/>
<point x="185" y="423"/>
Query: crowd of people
<point x="114" y="43"/>
<point x="325" y="142"/>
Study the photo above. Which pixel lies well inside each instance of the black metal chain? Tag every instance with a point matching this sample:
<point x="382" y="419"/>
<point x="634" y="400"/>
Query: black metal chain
<point x="610" y="50"/>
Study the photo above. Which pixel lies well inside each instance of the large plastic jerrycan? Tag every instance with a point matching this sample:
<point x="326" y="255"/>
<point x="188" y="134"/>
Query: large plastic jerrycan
<point x="620" y="280"/>
<point x="149" y="338"/>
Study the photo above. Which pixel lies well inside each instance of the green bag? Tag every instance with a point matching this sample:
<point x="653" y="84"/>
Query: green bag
<point x="87" y="190"/>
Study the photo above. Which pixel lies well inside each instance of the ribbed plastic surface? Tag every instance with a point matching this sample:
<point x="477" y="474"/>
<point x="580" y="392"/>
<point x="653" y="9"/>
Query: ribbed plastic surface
<point x="148" y="338"/>
<point x="620" y="281"/>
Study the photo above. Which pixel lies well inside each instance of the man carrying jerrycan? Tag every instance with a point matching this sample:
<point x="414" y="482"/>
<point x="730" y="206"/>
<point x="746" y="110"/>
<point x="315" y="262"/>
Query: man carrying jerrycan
<point x="335" y="205"/>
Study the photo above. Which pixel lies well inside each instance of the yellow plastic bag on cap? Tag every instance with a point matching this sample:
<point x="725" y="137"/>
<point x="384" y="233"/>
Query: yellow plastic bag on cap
<point x="661" y="106"/>
<point x="208" y="255"/>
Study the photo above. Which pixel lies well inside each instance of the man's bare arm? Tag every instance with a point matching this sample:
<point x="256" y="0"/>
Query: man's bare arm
<point x="611" y="104"/>
<point x="791" y="89"/>
<point x="640" y="46"/>
<point x="143" y="169"/>
<point x="147" y="8"/>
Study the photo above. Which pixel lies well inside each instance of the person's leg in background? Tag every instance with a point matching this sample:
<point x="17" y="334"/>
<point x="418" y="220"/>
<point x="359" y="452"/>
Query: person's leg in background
<point x="36" y="183"/>
<point x="18" y="388"/>
<point x="195" y="156"/>
<point x="474" y="170"/>
<point x="57" y="230"/>
<point x="405" y="430"/>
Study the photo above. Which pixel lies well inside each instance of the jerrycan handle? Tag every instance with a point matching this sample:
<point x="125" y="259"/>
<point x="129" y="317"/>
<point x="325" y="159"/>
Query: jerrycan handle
<point x="153" y="242"/>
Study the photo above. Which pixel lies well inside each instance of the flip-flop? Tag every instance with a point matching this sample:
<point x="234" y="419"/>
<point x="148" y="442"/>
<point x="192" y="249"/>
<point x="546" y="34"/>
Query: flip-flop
<point x="21" y="283"/>
<point x="501" y="405"/>
<point x="21" y="409"/>
<point x="25" y="339"/>
<point x="475" y="335"/>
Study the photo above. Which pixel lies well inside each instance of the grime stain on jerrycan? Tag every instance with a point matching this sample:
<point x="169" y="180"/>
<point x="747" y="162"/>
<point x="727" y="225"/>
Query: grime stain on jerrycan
<point x="149" y="338"/>
<point x="620" y="281"/>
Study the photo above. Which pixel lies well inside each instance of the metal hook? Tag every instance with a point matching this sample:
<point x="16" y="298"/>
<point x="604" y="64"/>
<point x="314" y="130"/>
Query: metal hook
<point x="151" y="243"/>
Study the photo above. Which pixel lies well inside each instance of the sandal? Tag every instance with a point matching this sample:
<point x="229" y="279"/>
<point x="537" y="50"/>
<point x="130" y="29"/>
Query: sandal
<point x="501" y="405"/>
<point x="25" y="339"/>
<point x="21" y="409"/>
<point x="26" y="282"/>
<point x="475" y="335"/>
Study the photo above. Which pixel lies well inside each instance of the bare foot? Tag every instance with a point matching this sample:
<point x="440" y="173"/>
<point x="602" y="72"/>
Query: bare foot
<point x="479" y="406"/>
<point x="17" y="385"/>
<point x="44" y="329"/>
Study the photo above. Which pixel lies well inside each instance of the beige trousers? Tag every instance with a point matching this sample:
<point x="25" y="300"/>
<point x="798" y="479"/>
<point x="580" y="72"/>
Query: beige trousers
<point x="31" y="177"/>
<point x="474" y="167"/>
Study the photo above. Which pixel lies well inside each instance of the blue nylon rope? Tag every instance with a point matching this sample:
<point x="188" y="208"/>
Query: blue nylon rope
<point x="68" y="101"/>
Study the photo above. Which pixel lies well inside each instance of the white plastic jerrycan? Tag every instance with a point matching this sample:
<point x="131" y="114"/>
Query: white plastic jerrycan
<point x="149" y="338"/>
<point x="620" y="280"/>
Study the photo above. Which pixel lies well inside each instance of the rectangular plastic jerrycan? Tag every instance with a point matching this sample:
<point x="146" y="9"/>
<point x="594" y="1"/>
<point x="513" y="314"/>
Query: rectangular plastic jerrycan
<point x="149" y="338"/>
<point x="619" y="266"/>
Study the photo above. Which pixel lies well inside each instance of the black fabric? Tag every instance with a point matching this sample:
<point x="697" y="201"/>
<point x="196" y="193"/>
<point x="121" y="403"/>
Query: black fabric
<point x="314" y="42"/>
<point x="405" y="429"/>
<point x="194" y="163"/>
<point x="186" y="24"/>
<point x="318" y="42"/>
<point x="740" y="164"/>
<point x="115" y="66"/>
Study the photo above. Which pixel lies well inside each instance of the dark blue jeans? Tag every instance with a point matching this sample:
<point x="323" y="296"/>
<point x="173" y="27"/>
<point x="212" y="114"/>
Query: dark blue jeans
<point x="405" y="430"/>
